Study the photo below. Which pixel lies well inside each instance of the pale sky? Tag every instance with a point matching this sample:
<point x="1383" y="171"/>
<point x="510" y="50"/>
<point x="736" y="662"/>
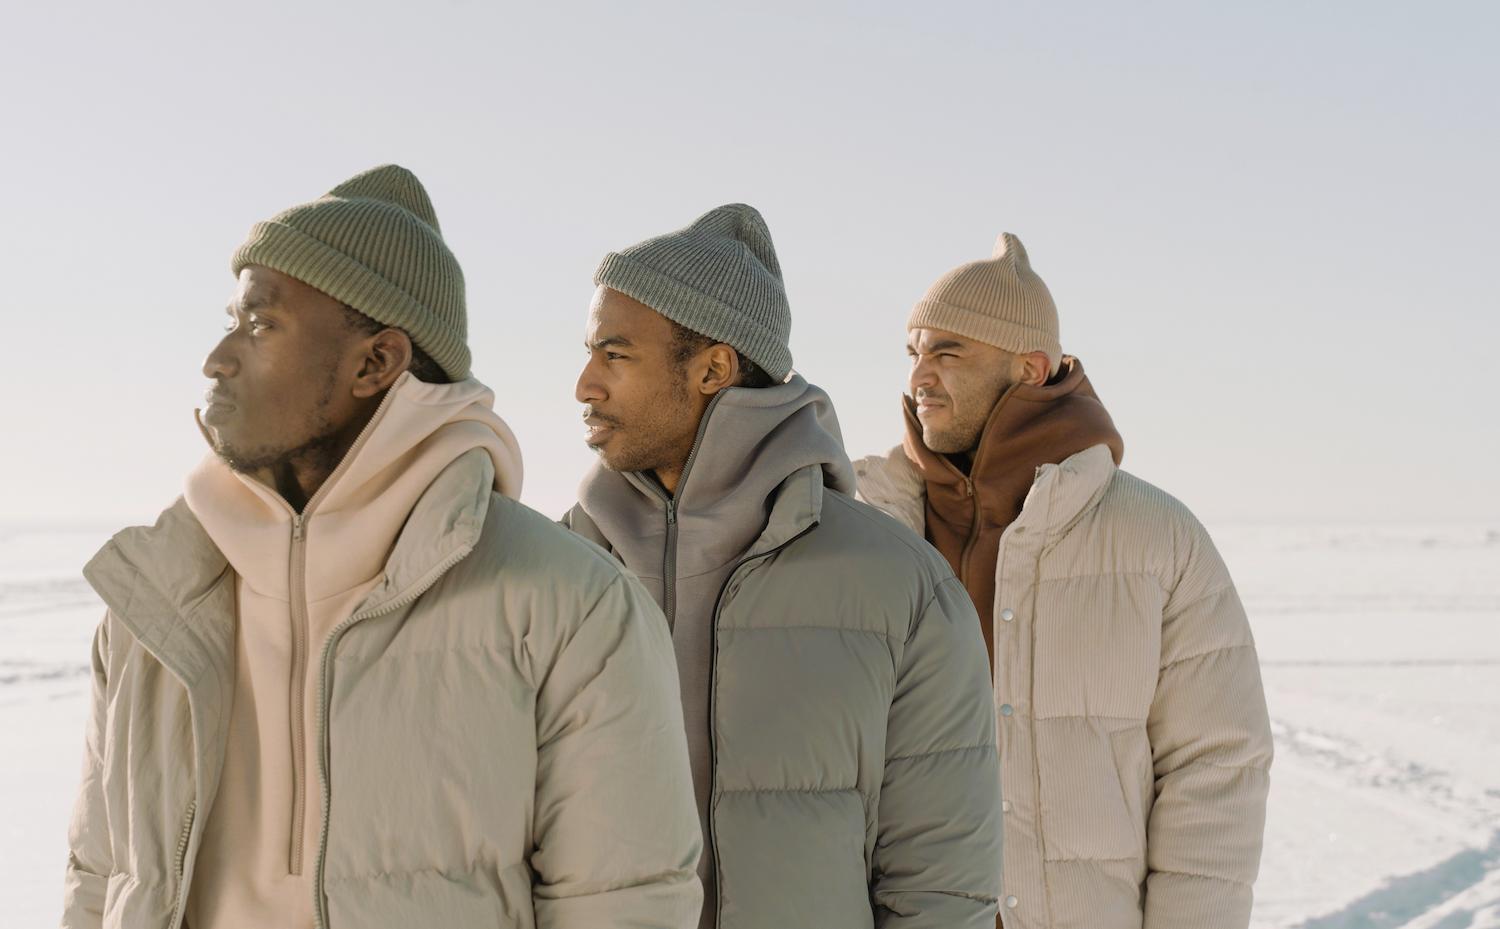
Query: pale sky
<point x="1270" y="228"/>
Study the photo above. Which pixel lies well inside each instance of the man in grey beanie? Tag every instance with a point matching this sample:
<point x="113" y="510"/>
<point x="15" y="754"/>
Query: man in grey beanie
<point x="836" y="701"/>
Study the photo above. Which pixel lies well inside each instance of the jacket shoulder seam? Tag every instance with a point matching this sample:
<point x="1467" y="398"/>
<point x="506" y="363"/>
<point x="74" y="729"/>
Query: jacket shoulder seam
<point x="856" y="507"/>
<point x="1202" y="763"/>
<point x="985" y="746"/>
<point x="1200" y="876"/>
<point x="1201" y="655"/>
<point x="1214" y="592"/>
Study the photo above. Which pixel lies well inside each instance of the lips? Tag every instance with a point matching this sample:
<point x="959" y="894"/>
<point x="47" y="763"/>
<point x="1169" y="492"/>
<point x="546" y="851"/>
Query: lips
<point x="928" y="405"/>
<point x="217" y="406"/>
<point x="599" y="428"/>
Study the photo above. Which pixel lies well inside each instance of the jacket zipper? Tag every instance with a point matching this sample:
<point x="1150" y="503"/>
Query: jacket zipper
<point x="320" y="904"/>
<point x="179" y="861"/>
<point x="713" y="705"/>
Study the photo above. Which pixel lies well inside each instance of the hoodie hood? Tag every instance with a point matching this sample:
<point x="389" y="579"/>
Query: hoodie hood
<point x="1030" y="426"/>
<point x="418" y="430"/>
<point x="750" y="441"/>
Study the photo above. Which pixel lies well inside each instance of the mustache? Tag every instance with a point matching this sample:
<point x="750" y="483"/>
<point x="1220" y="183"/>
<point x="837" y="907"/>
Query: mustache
<point x="594" y="416"/>
<point x="929" y="395"/>
<point x="217" y="395"/>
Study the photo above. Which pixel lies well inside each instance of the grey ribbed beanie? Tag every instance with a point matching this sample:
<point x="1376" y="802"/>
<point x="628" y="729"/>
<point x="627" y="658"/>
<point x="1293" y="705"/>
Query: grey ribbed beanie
<point x="374" y="243"/>
<point x="999" y="301"/>
<point x="718" y="277"/>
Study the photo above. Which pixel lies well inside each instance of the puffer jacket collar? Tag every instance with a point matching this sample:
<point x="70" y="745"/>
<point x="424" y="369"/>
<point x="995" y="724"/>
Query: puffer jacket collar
<point x="1065" y="491"/>
<point x="170" y="586"/>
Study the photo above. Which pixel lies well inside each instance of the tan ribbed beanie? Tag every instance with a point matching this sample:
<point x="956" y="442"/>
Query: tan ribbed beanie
<point x="373" y="242"/>
<point x="999" y="302"/>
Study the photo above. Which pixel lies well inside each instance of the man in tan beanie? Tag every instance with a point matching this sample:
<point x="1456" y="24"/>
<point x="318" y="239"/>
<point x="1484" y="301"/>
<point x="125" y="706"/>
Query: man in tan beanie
<point x="837" y="709"/>
<point x="1134" y="741"/>
<point x="347" y="680"/>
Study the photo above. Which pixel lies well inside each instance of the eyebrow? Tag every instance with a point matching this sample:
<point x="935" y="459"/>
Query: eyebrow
<point x="253" y="303"/>
<point x="935" y="347"/>
<point x="611" y="341"/>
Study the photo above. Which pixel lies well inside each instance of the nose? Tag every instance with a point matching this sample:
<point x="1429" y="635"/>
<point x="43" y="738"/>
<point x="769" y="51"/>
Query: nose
<point x="588" y="390"/>
<point x="922" y="375"/>
<point x="221" y="362"/>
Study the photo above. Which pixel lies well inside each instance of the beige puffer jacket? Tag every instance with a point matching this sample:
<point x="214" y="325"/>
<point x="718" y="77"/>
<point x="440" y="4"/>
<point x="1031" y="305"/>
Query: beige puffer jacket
<point x="500" y="725"/>
<point x="1134" y="741"/>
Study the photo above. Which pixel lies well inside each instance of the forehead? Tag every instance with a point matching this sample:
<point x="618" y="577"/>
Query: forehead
<point x="613" y="315"/>
<point x="260" y="287"/>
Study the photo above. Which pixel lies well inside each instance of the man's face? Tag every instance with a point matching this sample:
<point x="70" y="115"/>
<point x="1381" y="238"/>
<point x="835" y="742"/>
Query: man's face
<point x="276" y="373"/>
<point x="640" y="413"/>
<point x="956" y="382"/>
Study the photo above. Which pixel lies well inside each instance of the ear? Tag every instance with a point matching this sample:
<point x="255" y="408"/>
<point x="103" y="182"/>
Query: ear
<point x="383" y="357"/>
<point x="1033" y="368"/>
<point x="720" y="368"/>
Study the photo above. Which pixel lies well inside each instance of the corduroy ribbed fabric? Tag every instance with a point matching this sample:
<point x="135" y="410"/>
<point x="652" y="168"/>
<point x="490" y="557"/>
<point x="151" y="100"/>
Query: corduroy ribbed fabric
<point x="374" y="243"/>
<point x="999" y="301"/>
<point x="718" y="277"/>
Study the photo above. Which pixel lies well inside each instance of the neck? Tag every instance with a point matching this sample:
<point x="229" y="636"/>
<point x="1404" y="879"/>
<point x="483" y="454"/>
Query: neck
<point x="669" y="477"/>
<point x="300" y="475"/>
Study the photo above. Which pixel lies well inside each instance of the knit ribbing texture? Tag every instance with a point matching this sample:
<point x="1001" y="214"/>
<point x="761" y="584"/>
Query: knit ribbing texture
<point x="374" y="243"/>
<point x="999" y="301"/>
<point x="718" y="277"/>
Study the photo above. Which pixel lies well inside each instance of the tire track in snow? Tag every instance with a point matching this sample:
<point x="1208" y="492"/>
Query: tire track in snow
<point x="1451" y="894"/>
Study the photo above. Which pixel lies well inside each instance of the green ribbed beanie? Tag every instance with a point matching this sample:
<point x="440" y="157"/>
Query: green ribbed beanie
<point x="373" y="242"/>
<point x="718" y="277"/>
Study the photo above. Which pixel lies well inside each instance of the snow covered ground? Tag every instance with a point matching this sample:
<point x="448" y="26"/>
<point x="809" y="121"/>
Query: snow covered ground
<point x="1381" y="654"/>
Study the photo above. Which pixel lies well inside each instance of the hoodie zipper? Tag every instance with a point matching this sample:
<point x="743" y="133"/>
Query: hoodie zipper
<point x="968" y="549"/>
<point x="669" y="556"/>
<point x="325" y="672"/>
<point x="713" y="705"/>
<point x="297" y="685"/>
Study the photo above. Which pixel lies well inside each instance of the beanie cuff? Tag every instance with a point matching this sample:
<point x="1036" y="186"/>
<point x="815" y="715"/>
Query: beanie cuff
<point x="294" y="253"/>
<point x="693" y="309"/>
<point x="981" y="327"/>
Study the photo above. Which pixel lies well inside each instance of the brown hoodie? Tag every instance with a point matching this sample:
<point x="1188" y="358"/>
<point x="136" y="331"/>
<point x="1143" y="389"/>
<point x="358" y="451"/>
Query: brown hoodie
<point x="297" y="577"/>
<point x="1029" y="427"/>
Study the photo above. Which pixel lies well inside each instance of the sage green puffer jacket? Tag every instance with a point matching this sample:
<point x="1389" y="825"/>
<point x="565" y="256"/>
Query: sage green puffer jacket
<point x="500" y="721"/>
<point x="854" y="777"/>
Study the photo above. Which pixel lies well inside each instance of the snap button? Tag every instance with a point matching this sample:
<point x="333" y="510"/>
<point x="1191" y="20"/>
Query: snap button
<point x="1007" y="614"/>
<point x="1006" y="710"/>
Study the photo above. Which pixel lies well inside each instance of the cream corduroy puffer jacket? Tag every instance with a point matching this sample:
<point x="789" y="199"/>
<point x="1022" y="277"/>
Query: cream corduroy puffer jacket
<point x="1134" y="741"/>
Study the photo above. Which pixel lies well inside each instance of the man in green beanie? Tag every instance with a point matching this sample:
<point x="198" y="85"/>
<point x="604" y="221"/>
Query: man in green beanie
<point x="1134" y="739"/>
<point x="347" y="680"/>
<point x="834" y="692"/>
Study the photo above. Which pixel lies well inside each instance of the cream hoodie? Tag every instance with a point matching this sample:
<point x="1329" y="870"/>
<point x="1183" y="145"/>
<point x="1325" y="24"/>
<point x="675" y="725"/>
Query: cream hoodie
<point x="297" y="577"/>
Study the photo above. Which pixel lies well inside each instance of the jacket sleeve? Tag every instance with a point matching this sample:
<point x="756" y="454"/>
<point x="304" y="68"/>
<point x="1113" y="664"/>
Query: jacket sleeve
<point x="90" y="859"/>
<point x="616" y="830"/>
<point x="1211" y="753"/>
<point x="937" y="851"/>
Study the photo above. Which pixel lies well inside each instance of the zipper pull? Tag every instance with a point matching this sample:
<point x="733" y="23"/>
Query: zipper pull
<point x="968" y="487"/>
<point x="297" y="528"/>
<point x="671" y="512"/>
